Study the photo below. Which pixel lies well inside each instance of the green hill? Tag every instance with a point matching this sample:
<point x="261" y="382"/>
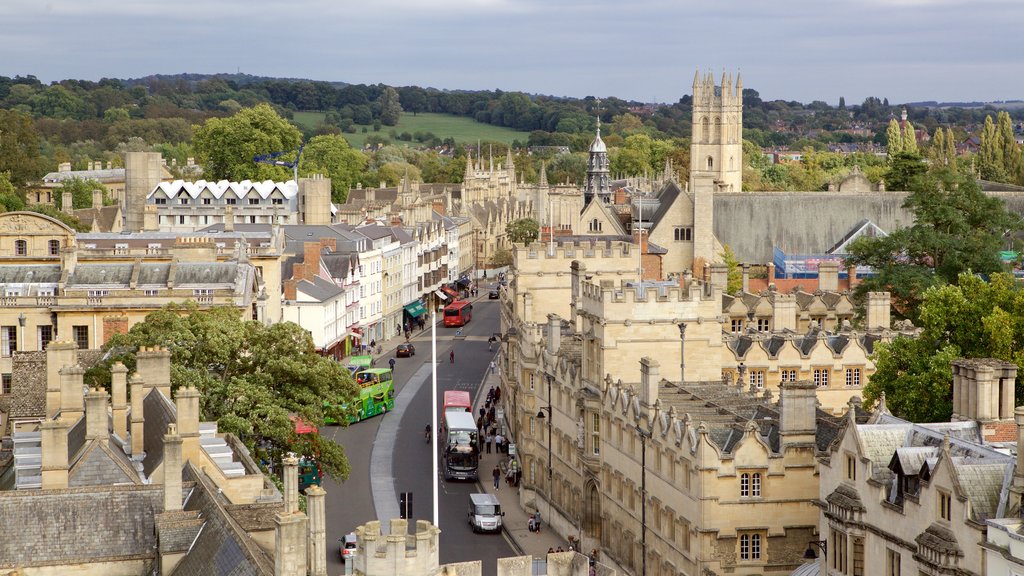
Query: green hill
<point x="463" y="130"/>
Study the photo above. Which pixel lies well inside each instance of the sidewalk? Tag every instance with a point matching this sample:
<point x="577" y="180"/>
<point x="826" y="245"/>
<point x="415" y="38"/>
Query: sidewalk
<point x="515" y="523"/>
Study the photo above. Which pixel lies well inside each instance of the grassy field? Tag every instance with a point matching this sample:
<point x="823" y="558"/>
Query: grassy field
<point x="463" y="130"/>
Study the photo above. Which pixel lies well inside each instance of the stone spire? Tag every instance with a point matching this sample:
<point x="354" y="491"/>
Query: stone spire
<point x="598" y="177"/>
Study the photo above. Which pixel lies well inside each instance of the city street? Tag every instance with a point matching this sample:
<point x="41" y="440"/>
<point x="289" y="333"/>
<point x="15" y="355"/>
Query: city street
<point x="400" y="462"/>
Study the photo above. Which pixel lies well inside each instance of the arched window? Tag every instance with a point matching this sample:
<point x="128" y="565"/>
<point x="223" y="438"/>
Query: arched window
<point x="718" y="130"/>
<point x="705" y="129"/>
<point x="711" y="163"/>
<point x="20" y="248"/>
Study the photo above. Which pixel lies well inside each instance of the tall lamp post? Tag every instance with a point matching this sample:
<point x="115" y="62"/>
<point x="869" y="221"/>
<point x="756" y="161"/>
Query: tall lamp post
<point x="540" y="415"/>
<point x="644" y="435"/>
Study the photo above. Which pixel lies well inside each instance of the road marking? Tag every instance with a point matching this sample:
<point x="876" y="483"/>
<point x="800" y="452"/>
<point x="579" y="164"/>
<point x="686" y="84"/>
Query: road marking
<point x="382" y="478"/>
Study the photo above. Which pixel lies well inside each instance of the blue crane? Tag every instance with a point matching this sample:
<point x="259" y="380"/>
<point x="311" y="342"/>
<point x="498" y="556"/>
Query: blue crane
<point x="273" y="161"/>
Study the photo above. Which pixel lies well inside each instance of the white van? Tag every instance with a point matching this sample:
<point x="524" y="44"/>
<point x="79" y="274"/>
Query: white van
<point x="484" y="513"/>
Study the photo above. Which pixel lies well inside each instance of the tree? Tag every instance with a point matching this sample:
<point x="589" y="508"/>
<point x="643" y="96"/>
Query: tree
<point x="972" y="319"/>
<point x="390" y="107"/>
<point x="734" y="267"/>
<point x="894" y="138"/>
<point x="957" y="228"/>
<point x="81" y="193"/>
<point x="501" y="258"/>
<point x="226" y="146"/>
<point x="909" y="139"/>
<point x="251" y="377"/>
<point x="524" y="230"/>
<point x="10" y="201"/>
<point x="332" y="156"/>
<point x="19" y="148"/>
<point x="842" y="103"/>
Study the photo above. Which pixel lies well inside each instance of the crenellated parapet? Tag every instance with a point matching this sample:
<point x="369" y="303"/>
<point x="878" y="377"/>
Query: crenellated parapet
<point x="397" y="552"/>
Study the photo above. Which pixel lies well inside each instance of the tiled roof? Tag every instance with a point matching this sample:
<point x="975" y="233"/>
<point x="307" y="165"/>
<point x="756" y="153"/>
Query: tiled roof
<point x="218" y="189"/>
<point x="66" y="527"/>
<point x="983" y="483"/>
<point x="29" y="273"/>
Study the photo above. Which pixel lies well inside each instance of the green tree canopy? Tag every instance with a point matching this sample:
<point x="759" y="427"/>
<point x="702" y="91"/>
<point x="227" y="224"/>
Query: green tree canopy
<point x="19" y="148"/>
<point x="957" y="228"/>
<point x="524" y="230"/>
<point x="332" y="156"/>
<point x="81" y="193"/>
<point x="390" y="107"/>
<point x="972" y="319"/>
<point x="252" y="377"/>
<point x="10" y="201"/>
<point x="226" y="146"/>
<point x="501" y="258"/>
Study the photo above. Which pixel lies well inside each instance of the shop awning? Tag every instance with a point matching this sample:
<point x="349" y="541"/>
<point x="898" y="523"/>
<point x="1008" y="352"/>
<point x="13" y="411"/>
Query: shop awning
<point x="464" y="282"/>
<point x="440" y="295"/>
<point x="449" y="291"/>
<point x="415" y="309"/>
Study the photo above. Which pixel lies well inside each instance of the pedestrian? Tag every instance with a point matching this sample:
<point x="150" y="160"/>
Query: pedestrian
<point x="493" y="366"/>
<point x="490" y="413"/>
<point x="497" y="394"/>
<point x="482" y="412"/>
<point x="490" y="393"/>
<point x="490" y="439"/>
<point x="496" y="473"/>
<point x="398" y="329"/>
<point x="373" y="344"/>
<point x="451" y="356"/>
<point x="480" y="423"/>
<point x="499" y="442"/>
<point x="407" y="335"/>
<point x="391" y="364"/>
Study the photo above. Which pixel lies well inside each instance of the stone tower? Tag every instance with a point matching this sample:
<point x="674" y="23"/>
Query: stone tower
<point x="142" y="173"/>
<point x="716" y="155"/>
<point x="598" y="178"/>
<point x="717" y="137"/>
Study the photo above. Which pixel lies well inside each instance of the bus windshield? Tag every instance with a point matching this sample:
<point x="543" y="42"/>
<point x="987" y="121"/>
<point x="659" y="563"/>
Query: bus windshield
<point x="462" y="460"/>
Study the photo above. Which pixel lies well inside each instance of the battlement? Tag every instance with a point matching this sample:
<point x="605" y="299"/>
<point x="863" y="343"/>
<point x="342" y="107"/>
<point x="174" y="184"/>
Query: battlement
<point x="398" y="552"/>
<point x="578" y="249"/>
<point x="630" y="293"/>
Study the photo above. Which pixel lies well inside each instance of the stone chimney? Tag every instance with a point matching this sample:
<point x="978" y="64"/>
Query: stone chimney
<point x="578" y="273"/>
<point x="138" y="421"/>
<point x="784" y="311"/>
<point x="315" y="505"/>
<point x="172" y="469"/>
<point x="69" y="259"/>
<point x="119" y="393"/>
<point x="720" y="276"/>
<point x="67" y="203"/>
<point x="96" y="414"/>
<point x="554" y="333"/>
<point x="97" y="198"/>
<point x="187" y="402"/>
<point x="851" y="277"/>
<point x="983" y="390"/>
<point x="878" y="305"/>
<point x="291" y="289"/>
<point x="290" y="545"/>
<point x="59" y="353"/>
<point x="54" y="439"/>
<point x="150" y="219"/>
<point x="64" y="167"/>
<point x="828" y="276"/>
<point x="649" y="380"/>
<point x="798" y="411"/>
<point x="154" y="366"/>
<point x="229" y="219"/>
<point x="746" y="277"/>
<point x="771" y="273"/>
<point x="71" y="392"/>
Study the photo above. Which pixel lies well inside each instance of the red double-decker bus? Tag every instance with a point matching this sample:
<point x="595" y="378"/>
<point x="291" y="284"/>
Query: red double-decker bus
<point x="457" y="401"/>
<point x="458" y="313"/>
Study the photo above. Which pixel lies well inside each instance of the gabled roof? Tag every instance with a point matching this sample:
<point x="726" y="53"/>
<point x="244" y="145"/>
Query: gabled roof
<point x="596" y="208"/>
<point x="667" y="197"/>
<point x="218" y="189"/>
<point x="319" y="289"/>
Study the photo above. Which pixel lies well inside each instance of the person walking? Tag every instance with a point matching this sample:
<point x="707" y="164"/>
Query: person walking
<point x="490" y="440"/>
<point x="451" y="356"/>
<point x="493" y="366"/>
<point x="391" y="364"/>
<point x="499" y="443"/>
<point x="496" y="473"/>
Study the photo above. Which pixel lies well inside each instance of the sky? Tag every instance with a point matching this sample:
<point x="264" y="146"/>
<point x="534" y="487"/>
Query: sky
<point x="646" y="50"/>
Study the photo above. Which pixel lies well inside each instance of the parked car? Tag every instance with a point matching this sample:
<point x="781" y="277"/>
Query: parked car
<point x="405" y="351"/>
<point x="493" y="295"/>
<point x="348" y="546"/>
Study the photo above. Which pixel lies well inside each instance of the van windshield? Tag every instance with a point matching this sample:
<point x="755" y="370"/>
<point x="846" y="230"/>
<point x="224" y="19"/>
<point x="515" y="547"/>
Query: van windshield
<point x="488" y="510"/>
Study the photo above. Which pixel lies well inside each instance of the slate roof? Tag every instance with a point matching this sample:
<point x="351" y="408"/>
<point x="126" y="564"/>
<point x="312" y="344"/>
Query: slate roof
<point x="102" y="463"/>
<point x="101" y="275"/>
<point x="62" y="527"/>
<point x="154" y="274"/>
<point x="319" y="289"/>
<point x="158" y="412"/>
<point x="666" y="198"/>
<point x="188" y="273"/>
<point x="984" y="484"/>
<point x="30" y="273"/>
<point x="222" y="547"/>
<point x="104" y="217"/>
<point x="105" y="175"/>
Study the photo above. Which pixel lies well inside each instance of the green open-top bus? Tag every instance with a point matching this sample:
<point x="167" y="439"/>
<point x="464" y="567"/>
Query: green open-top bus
<point x="376" y="394"/>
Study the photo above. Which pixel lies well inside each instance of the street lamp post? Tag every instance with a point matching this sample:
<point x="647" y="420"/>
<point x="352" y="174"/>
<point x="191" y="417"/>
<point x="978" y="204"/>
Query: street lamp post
<point x="550" y="417"/>
<point x="644" y="435"/>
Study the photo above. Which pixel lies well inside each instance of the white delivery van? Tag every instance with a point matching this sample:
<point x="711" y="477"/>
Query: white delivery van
<point x="484" y="513"/>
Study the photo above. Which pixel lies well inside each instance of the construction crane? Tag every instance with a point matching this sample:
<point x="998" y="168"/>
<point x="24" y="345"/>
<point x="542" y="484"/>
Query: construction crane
<point x="273" y="161"/>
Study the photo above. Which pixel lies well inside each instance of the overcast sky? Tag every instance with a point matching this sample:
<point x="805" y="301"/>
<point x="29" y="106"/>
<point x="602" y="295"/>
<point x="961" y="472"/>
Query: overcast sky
<point x="906" y="50"/>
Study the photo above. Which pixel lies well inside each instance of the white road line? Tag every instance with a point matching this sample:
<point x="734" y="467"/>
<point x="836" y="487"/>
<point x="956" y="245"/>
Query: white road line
<point x="382" y="478"/>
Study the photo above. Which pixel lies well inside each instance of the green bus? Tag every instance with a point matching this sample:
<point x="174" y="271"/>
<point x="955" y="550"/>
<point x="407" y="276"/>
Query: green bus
<point x="376" y="394"/>
<point x="357" y="363"/>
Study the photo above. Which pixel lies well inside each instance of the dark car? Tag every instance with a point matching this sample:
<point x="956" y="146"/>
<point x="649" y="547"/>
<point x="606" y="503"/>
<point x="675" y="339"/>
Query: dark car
<point x="493" y="295"/>
<point x="405" y="351"/>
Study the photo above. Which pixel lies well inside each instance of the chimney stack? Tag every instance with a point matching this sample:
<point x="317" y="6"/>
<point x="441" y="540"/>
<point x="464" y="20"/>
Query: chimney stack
<point x="290" y="541"/>
<point x="784" y="311"/>
<point x="67" y="203"/>
<point x="229" y="219"/>
<point x="54" y="439"/>
<point x="97" y="198"/>
<point x="138" y="421"/>
<point x="59" y="353"/>
<point x="878" y="311"/>
<point x="187" y="402"/>
<point x="150" y="219"/>
<point x="720" y="276"/>
<point x="172" y="469"/>
<point x="746" y="278"/>
<point x="828" y="276"/>
<point x="154" y="366"/>
<point x="119" y="399"/>
<point x="96" y="414"/>
<point x="71" y="392"/>
<point x="649" y="380"/>
<point x="554" y="333"/>
<point x="798" y="411"/>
